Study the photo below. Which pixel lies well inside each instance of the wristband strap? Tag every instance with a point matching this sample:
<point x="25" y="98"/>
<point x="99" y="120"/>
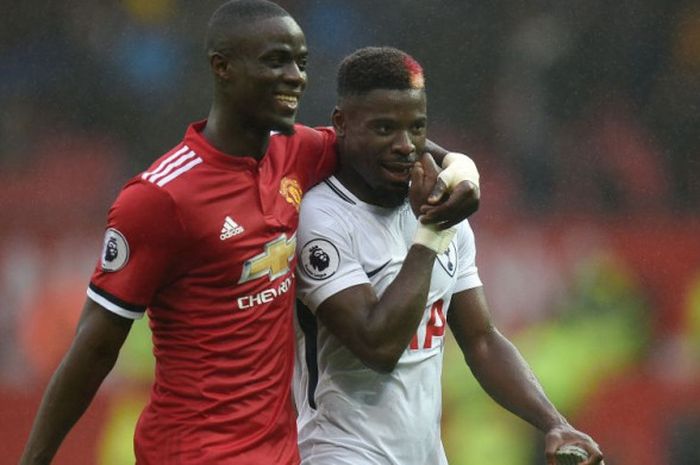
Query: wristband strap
<point x="458" y="168"/>
<point x="437" y="240"/>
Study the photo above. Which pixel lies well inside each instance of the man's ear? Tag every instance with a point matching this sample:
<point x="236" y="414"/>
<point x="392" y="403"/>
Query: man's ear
<point x="219" y="65"/>
<point x="338" y="119"/>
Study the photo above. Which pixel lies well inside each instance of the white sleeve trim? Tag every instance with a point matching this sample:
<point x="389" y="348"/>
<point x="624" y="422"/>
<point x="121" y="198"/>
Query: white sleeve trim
<point x="112" y="307"/>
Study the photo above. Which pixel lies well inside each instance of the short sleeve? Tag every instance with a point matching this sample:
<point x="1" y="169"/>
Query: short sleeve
<point x="326" y="260"/>
<point x="467" y="272"/>
<point x="142" y="241"/>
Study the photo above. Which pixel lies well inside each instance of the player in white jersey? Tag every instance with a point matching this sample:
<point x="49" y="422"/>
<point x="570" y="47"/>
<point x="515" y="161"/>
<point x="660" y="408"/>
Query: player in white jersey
<point x="353" y="243"/>
<point x="378" y="288"/>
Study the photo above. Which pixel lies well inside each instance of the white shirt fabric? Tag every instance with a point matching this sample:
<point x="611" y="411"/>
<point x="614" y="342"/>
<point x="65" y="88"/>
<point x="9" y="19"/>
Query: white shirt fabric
<point x="350" y="414"/>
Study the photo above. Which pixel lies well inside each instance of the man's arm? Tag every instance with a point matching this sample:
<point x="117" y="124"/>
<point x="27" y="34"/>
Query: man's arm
<point x="506" y="377"/>
<point x="92" y="354"/>
<point x="378" y="330"/>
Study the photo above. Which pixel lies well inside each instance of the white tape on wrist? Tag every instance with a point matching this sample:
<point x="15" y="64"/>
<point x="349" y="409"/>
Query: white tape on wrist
<point x="457" y="168"/>
<point x="431" y="237"/>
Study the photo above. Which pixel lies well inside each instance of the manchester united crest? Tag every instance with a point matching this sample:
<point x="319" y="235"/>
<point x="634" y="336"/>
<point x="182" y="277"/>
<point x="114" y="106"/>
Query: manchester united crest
<point x="291" y="191"/>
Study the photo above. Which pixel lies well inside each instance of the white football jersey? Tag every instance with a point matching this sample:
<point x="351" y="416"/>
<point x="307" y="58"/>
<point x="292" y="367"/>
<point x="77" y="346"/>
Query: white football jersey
<point x="350" y="414"/>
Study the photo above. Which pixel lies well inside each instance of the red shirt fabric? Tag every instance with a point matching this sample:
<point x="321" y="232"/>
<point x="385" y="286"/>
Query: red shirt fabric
<point x="206" y="242"/>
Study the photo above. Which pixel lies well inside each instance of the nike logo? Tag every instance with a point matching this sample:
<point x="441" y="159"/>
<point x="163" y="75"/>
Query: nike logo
<point x="375" y="271"/>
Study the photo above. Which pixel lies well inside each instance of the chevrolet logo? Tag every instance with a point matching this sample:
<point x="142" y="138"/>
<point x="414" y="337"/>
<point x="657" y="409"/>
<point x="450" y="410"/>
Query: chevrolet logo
<point x="273" y="262"/>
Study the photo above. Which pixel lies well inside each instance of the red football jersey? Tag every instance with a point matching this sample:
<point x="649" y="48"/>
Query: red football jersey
<point x="206" y="242"/>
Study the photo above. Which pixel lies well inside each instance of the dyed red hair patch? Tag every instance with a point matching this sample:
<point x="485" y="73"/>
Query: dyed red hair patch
<point x="415" y="72"/>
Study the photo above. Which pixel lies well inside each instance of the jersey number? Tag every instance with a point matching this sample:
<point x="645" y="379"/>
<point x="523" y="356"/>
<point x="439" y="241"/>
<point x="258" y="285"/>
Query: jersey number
<point x="434" y="328"/>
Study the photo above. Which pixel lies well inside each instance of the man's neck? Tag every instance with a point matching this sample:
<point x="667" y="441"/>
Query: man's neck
<point x="354" y="183"/>
<point x="232" y="137"/>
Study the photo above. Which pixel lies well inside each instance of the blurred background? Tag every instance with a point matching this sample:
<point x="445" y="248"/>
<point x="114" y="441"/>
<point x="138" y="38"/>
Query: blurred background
<point x="582" y="115"/>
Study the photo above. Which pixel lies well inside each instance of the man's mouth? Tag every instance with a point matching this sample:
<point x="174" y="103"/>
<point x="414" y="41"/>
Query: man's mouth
<point x="288" y="101"/>
<point x="398" y="171"/>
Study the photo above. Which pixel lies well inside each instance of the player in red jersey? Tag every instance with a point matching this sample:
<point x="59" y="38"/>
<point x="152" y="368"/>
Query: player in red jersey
<point x="205" y="240"/>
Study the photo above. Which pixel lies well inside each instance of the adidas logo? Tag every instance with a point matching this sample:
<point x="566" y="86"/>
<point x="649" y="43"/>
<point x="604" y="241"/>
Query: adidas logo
<point x="230" y="229"/>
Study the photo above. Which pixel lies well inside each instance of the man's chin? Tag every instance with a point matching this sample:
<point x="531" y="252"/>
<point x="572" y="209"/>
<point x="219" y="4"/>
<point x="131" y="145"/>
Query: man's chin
<point x="284" y="127"/>
<point x="394" y="198"/>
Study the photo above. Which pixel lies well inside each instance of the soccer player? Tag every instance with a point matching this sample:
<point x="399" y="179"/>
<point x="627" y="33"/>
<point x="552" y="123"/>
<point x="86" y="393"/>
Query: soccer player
<point x="204" y="240"/>
<point x="378" y="289"/>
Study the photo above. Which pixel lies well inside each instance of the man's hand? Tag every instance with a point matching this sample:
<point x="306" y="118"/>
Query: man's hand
<point x="447" y="207"/>
<point x="424" y="176"/>
<point x="566" y="435"/>
<point x="455" y="195"/>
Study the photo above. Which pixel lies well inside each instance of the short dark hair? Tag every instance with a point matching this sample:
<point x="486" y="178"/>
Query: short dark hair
<point x="372" y="68"/>
<point x="235" y="13"/>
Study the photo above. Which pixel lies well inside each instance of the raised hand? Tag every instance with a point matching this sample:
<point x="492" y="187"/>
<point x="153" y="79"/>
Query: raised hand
<point x="424" y="176"/>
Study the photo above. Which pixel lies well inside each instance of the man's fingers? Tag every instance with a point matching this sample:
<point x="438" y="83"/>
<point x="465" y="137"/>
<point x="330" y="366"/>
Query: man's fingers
<point x="431" y="168"/>
<point x="417" y="175"/>
<point x="462" y="202"/>
<point x="438" y="192"/>
<point x="436" y="216"/>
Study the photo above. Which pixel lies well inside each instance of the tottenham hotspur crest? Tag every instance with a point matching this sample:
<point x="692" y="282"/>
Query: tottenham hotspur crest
<point x="115" y="251"/>
<point x="448" y="259"/>
<point x="319" y="259"/>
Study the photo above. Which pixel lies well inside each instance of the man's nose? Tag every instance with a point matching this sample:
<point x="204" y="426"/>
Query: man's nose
<point x="293" y="73"/>
<point x="403" y="144"/>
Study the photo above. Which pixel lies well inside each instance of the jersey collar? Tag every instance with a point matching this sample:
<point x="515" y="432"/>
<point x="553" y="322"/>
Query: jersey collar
<point x="212" y="155"/>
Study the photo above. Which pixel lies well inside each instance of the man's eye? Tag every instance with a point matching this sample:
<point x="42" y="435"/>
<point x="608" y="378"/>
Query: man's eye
<point x="302" y="64"/>
<point x="383" y="129"/>
<point x="275" y="61"/>
<point x="418" y="129"/>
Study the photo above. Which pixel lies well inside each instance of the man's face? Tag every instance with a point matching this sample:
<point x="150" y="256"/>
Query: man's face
<point x="267" y="67"/>
<point x="380" y="135"/>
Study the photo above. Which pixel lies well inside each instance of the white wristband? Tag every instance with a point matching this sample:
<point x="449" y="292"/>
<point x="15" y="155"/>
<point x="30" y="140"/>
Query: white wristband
<point x="431" y="237"/>
<point x="458" y="168"/>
